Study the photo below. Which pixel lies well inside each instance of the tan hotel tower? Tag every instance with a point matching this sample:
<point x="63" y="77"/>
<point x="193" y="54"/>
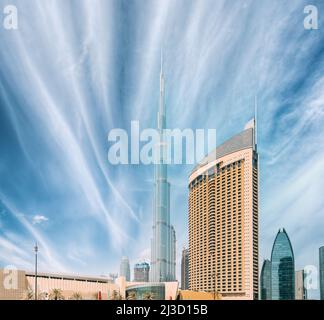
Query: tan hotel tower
<point x="223" y="219"/>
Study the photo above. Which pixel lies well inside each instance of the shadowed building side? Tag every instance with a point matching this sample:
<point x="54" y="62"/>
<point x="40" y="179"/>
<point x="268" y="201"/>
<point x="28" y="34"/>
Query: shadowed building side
<point x="321" y="271"/>
<point x="185" y="269"/>
<point x="265" y="281"/>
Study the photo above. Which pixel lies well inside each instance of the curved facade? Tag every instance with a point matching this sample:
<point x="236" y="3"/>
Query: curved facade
<point x="223" y="220"/>
<point x="282" y="268"/>
<point x="265" y="281"/>
<point x="156" y="291"/>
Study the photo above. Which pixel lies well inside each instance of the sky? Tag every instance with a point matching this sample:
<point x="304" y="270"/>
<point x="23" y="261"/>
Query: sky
<point x="76" y="69"/>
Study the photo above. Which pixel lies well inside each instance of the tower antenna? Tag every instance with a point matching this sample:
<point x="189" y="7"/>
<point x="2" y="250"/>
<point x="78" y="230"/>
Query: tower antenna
<point x="255" y="120"/>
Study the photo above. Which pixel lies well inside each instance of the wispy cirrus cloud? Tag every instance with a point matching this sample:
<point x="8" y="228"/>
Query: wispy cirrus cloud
<point x="75" y="70"/>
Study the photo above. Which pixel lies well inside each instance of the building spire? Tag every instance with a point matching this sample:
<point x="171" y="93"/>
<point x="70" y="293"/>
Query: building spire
<point x="256" y="120"/>
<point x="161" y="61"/>
<point x="161" y="114"/>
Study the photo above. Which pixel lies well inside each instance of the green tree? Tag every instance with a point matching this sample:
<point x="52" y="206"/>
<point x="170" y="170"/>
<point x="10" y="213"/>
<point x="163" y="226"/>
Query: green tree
<point x="76" y="296"/>
<point x="42" y="296"/>
<point x="116" y="296"/>
<point x="29" y="295"/>
<point x="148" y="296"/>
<point x="131" y="295"/>
<point x="56" y="294"/>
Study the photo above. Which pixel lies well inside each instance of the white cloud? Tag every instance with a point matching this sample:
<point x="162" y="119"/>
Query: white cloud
<point x="37" y="219"/>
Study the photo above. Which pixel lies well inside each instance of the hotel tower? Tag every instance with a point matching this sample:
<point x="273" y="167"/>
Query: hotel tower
<point x="223" y="219"/>
<point x="163" y="249"/>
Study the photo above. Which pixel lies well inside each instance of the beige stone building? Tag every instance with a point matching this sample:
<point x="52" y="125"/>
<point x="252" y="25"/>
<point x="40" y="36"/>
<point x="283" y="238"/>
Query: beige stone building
<point x="223" y="219"/>
<point x="17" y="284"/>
<point x="20" y="285"/>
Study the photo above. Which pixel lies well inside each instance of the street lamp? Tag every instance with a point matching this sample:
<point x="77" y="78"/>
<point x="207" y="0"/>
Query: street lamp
<point x="36" y="250"/>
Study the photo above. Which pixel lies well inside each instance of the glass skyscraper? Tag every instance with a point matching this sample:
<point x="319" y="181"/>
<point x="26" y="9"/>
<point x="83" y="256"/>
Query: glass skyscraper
<point x="321" y="270"/>
<point x="163" y="248"/>
<point x="282" y="268"/>
<point x="265" y="281"/>
<point x="141" y="272"/>
<point x="124" y="270"/>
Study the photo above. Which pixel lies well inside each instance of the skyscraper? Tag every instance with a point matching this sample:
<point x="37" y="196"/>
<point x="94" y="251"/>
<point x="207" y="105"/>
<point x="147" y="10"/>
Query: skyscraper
<point x="300" y="289"/>
<point x="124" y="270"/>
<point x="265" y="281"/>
<point x="223" y="219"/>
<point x="185" y="269"/>
<point x="321" y="271"/>
<point x="163" y="241"/>
<point x="141" y="272"/>
<point x="282" y="268"/>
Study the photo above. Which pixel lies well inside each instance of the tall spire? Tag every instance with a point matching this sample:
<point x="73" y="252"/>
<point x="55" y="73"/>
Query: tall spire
<point x="163" y="240"/>
<point x="161" y="62"/>
<point x="161" y="114"/>
<point x="256" y="120"/>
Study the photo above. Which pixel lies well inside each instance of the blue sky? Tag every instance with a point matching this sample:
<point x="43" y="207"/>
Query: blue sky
<point x="74" y="70"/>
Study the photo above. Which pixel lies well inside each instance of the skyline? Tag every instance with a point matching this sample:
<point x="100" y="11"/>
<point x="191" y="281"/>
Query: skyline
<point x="59" y="103"/>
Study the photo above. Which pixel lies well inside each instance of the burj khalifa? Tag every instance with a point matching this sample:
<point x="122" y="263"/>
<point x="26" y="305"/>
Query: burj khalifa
<point x="163" y="243"/>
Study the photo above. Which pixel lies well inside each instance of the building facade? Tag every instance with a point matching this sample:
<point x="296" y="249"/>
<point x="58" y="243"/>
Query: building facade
<point x="282" y="268"/>
<point x="265" y="281"/>
<point x="321" y="271"/>
<point x="300" y="289"/>
<point x="124" y="270"/>
<point x="223" y="219"/>
<point x="163" y="246"/>
<point x="152" y="291"/>
<point x="185" y="269"/>
<point x="141" y="272"/>
<point x="22" y="286"/>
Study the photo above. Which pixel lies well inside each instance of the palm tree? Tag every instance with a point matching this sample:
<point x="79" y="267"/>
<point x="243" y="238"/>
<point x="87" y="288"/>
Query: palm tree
<point x="148" y="296"/>
<point x="29" y="295"/>
<point x="76" y="296"/>
<point x="116" y="296"/>
<point x="131" y="295"/>
<point x="42" y="296"/>
<point x="56" y="294"/>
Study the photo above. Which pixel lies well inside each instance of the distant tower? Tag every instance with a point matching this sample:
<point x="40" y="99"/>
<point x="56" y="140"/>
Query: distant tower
<point x="163" y="241"/>
<point x="265" y="281"/>
<point x="125" y="268"/>
<point x="321" y="270"/>
<point x="282" y="268"/>
<point x="185" y="269"/>
<point x="141" y="272"/>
